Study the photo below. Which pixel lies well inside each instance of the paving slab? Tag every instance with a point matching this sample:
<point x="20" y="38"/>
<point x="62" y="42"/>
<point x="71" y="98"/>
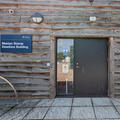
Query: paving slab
<point x="82" y="113"/>
<point x="82" y="102"/>
<point x="107" y="119"/>
<point x="116" y="101"/>
<point x="45" y="102"/>
<point x="106" y="112"/>
<point x="4" y="110"/>
<point x="118" y="109"/>
<point x="58" y="113"/>
<point x="36" y="113"/>
<point x="62" y="102"/>
<point x="101" y="102"/>
<point x="59" y="108"/>
<point x="5" y="107"/>
<point x="15" y="114"/>
<point x="27" y="103"/>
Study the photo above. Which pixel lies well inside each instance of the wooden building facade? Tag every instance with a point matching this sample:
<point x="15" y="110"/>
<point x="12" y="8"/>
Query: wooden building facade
<point x="29" y="72"/>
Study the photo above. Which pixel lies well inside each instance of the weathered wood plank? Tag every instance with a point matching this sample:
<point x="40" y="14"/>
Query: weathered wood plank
<point x="10" y="19"/>
<point x="27" y="81"/>
<point x="26" y="87"/>
<point x="24" y="93"/>
<point x="33" y="65"/>
<point x="83" y="33"/>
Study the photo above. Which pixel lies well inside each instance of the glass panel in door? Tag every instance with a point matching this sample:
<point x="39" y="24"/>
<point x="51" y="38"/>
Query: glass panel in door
<point x="65" y="66"/>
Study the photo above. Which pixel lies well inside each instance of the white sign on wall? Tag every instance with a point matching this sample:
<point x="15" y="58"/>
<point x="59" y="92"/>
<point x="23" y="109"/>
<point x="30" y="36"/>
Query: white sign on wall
<point x="65" y="68"/>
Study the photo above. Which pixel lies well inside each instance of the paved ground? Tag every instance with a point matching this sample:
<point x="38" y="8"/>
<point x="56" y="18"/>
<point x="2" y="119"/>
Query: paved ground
<point x="63" y="109"/>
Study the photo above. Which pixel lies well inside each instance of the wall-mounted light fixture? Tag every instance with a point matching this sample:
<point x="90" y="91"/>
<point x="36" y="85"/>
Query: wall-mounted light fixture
<point x="91" y="1"/>
<point x="37" y="18"/>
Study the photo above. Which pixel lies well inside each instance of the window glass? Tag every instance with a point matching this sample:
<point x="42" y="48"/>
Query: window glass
<point x="65" y="66"/>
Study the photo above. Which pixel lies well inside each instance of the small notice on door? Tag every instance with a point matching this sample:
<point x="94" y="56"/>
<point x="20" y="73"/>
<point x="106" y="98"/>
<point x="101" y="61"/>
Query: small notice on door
<point x="65" y="68"/>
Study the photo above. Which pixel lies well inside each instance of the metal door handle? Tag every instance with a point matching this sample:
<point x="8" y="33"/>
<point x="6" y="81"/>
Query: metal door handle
<point x="77" y="66"/>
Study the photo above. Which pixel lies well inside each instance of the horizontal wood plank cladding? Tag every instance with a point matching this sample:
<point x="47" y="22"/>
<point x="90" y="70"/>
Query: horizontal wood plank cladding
<point x="28" y="72"/>
<point x="9" y="19"/>
<point x="62" y="18"/>
<point x="116" y="49"/>
<point x="66" y="3"/>
<point x="83" y="12"/>
<point x="28" y="81"/>
<point x="25" y="87"/>
<point x="83" y="32"/>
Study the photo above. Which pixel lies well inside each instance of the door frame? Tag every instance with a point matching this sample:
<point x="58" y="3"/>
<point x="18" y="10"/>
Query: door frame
<point x="53" y="66"/>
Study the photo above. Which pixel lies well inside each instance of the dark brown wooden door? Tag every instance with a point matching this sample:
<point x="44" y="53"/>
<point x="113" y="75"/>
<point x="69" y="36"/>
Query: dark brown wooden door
<point x="90" y="67"/>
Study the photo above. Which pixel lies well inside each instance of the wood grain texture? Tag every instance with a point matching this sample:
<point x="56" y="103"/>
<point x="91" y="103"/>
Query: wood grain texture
<point x="62" y="18"/>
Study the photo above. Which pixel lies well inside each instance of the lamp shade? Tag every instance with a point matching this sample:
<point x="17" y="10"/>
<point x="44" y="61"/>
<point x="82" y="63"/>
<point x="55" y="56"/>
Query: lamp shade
<point x="37" y="17"/>
<point x="91" y="0"/>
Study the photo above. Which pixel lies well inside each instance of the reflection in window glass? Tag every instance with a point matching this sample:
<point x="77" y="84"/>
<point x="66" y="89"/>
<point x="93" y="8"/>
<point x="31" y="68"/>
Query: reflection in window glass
<point x="65" y="66"/>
